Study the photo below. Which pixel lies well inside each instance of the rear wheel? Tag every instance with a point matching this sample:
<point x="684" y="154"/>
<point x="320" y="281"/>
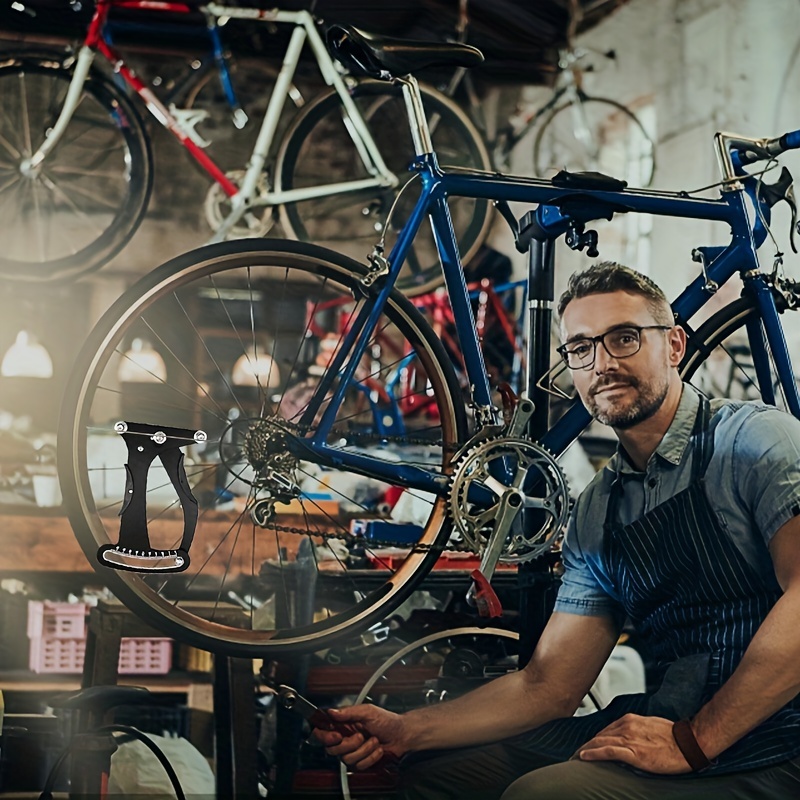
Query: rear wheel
<point x="243" y="333"/>
<point x="76" y="210"/>
<point x="318" y="149"/>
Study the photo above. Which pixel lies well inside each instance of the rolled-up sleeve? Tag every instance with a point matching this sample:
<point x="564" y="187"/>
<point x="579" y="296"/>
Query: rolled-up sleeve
<point x="582" y="588"/>
<point x="766" y="468"/>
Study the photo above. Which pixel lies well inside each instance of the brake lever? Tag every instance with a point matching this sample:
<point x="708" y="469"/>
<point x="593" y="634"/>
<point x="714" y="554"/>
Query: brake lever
<point x="782" y="189"/>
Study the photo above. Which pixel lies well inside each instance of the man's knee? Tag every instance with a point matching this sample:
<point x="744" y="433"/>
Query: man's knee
<point x="575" y="780"/>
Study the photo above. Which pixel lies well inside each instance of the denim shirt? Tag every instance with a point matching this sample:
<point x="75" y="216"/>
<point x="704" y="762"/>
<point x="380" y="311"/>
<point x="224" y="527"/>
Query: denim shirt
<point x="753" y="485"/>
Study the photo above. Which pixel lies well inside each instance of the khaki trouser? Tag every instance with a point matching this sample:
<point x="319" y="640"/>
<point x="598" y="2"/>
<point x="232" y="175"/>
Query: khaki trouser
<point x="507" y="770"/>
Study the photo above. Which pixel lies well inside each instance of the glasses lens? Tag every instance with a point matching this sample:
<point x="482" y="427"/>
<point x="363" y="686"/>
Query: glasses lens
<point x="622" y="342"/>
<point x="579" y="353"/>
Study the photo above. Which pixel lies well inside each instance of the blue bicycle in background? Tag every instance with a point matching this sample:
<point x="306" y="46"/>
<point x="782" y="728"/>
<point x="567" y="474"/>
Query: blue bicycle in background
<point x="315" y="521"/>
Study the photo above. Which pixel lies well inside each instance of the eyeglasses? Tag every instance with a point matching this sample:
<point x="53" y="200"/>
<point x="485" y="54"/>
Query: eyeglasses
<point x="619" y="342"/>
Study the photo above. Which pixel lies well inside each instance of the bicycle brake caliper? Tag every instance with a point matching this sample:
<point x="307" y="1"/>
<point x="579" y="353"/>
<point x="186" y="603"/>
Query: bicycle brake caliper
<point x="133" y="552"/>
<point x="378" y="267"/>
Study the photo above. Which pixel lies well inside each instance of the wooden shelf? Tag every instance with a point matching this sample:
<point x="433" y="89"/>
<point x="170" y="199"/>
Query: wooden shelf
<point x="39" y="543"/>
<point x="196" y="686"/>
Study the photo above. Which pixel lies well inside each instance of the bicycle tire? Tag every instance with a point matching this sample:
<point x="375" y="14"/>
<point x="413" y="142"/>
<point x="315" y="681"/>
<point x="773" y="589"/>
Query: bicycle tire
<point x="715" y="348"/>
<point x="425" y="642"/>
<point x="317" y="143"/>
<point x="245" y="290"/>
<point x="556" y="146"/>
<point x="98" y="179"/>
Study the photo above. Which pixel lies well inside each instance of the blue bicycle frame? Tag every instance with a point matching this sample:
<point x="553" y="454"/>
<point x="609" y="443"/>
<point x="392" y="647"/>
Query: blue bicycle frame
<point x="558" y="209"/>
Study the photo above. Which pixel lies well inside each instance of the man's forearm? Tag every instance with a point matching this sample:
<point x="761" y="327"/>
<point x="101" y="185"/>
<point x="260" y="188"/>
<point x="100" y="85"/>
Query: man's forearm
<point x="506" y="706"/>
<point x="766" y="679"/>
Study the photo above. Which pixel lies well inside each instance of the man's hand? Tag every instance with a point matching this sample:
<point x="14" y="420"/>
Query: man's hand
<point x="643" y="742"/>
<point x="380" y="733"/>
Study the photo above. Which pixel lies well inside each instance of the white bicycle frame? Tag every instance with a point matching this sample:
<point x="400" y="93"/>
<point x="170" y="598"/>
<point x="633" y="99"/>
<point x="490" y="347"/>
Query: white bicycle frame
<point x="247" y="195"/>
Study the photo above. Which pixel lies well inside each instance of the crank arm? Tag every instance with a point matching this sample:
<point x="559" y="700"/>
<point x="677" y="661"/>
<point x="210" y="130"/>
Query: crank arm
<point x="519" y="422"/>
<point x="482" y="596"/>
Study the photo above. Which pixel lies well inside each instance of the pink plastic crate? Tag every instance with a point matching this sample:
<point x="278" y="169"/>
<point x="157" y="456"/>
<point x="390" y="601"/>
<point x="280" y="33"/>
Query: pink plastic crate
<point x="56" y="655"/>
<point x="145" y="656"/>
<point x="47" y="620"/>
<point x="136" y="656"/>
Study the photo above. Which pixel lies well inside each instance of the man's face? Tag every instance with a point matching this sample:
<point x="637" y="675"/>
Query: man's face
<point x="622" y="392"/>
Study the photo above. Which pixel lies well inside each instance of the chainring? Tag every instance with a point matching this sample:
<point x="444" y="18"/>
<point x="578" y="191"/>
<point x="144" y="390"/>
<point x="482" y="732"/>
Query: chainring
<point x="494" y="465"/>
<point x="255" y="222"/>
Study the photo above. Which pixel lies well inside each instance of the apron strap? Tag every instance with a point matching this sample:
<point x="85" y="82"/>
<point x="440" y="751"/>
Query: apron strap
<point x="703" y="440"/>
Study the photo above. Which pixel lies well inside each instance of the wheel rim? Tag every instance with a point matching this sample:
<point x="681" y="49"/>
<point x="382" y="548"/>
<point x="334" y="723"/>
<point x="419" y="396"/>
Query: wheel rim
<point x="229" y="548"/>
<point x="718" y="360"/>
<point x="468" y="634"/>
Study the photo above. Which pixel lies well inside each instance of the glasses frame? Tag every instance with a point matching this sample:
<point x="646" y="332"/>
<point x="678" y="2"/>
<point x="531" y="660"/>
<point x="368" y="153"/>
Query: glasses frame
<point x="595" y="340"/>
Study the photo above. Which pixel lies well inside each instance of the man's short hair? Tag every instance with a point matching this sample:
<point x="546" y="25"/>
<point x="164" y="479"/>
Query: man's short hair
<point x="608" y="276"/>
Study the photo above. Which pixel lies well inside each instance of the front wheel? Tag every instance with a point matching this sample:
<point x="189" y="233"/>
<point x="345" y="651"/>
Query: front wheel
<point x="319" y="149"/>
<point x="598" y="135"/>
<point x="78" y="209"/>
<point x="289" y="553"/>
<point x="719" y="359"/>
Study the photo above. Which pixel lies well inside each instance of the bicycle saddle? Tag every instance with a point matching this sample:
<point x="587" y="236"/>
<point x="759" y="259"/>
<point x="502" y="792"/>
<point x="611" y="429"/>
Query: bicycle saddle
<point x="384" y="57"/>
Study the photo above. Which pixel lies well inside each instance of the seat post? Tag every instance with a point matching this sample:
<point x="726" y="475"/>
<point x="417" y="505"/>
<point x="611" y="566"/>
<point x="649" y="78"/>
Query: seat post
<point x="420" y="132"/>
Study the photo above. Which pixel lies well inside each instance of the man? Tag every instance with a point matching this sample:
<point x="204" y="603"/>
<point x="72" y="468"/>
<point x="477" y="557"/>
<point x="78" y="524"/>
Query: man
<point x="693" y="532"/>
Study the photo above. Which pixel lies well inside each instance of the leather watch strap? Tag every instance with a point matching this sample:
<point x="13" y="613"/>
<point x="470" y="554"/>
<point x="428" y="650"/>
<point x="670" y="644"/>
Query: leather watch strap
<point x="684" y="737"/>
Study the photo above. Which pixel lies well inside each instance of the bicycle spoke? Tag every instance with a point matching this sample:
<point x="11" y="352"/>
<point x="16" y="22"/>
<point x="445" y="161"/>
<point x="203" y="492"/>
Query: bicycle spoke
<point x="275" y="516"/>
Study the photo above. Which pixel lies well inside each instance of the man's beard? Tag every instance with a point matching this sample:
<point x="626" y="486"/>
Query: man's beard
<point x="650" y="397"/>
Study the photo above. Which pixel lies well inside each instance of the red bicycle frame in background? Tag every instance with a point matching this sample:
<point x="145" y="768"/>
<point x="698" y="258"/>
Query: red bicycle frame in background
<point x="97" y="41"/>
<point x="493" y="319"/>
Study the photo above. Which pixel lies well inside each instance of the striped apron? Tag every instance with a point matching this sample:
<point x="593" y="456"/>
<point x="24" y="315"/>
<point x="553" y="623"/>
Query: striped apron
<point x="696" y="603"/>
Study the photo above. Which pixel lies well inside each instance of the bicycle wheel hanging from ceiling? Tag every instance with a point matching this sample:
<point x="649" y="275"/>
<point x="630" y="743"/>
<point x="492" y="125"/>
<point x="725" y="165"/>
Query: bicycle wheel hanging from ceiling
<point x="76" y="210"/>
<point x="318" y="145"/>
<point x="597" y="135"/>
<point x="244" y="332"/>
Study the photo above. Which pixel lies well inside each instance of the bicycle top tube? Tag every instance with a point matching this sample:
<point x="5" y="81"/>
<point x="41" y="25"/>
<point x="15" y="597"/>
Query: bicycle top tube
<point x="104" y="7"/>
<point x="568" y="200"/>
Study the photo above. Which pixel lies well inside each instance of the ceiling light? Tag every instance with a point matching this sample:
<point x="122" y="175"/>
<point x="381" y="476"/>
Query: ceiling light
<point x="142" y="364"/>
<point x="256" y="369"/>
<point x="26" y="358"/>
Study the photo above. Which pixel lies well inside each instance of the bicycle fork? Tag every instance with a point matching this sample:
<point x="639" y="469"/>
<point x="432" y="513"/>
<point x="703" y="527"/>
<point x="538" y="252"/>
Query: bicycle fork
<point x="30" y="166"/>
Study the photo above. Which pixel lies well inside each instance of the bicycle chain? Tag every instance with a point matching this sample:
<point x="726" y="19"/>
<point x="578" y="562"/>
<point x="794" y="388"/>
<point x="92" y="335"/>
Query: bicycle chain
<point x="458" y="547"/>
<point x="355" y="538"/>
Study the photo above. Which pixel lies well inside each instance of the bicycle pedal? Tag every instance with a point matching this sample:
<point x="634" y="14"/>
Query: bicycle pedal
<point x="483" y="596"/>
<point x="143" y="560"/>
